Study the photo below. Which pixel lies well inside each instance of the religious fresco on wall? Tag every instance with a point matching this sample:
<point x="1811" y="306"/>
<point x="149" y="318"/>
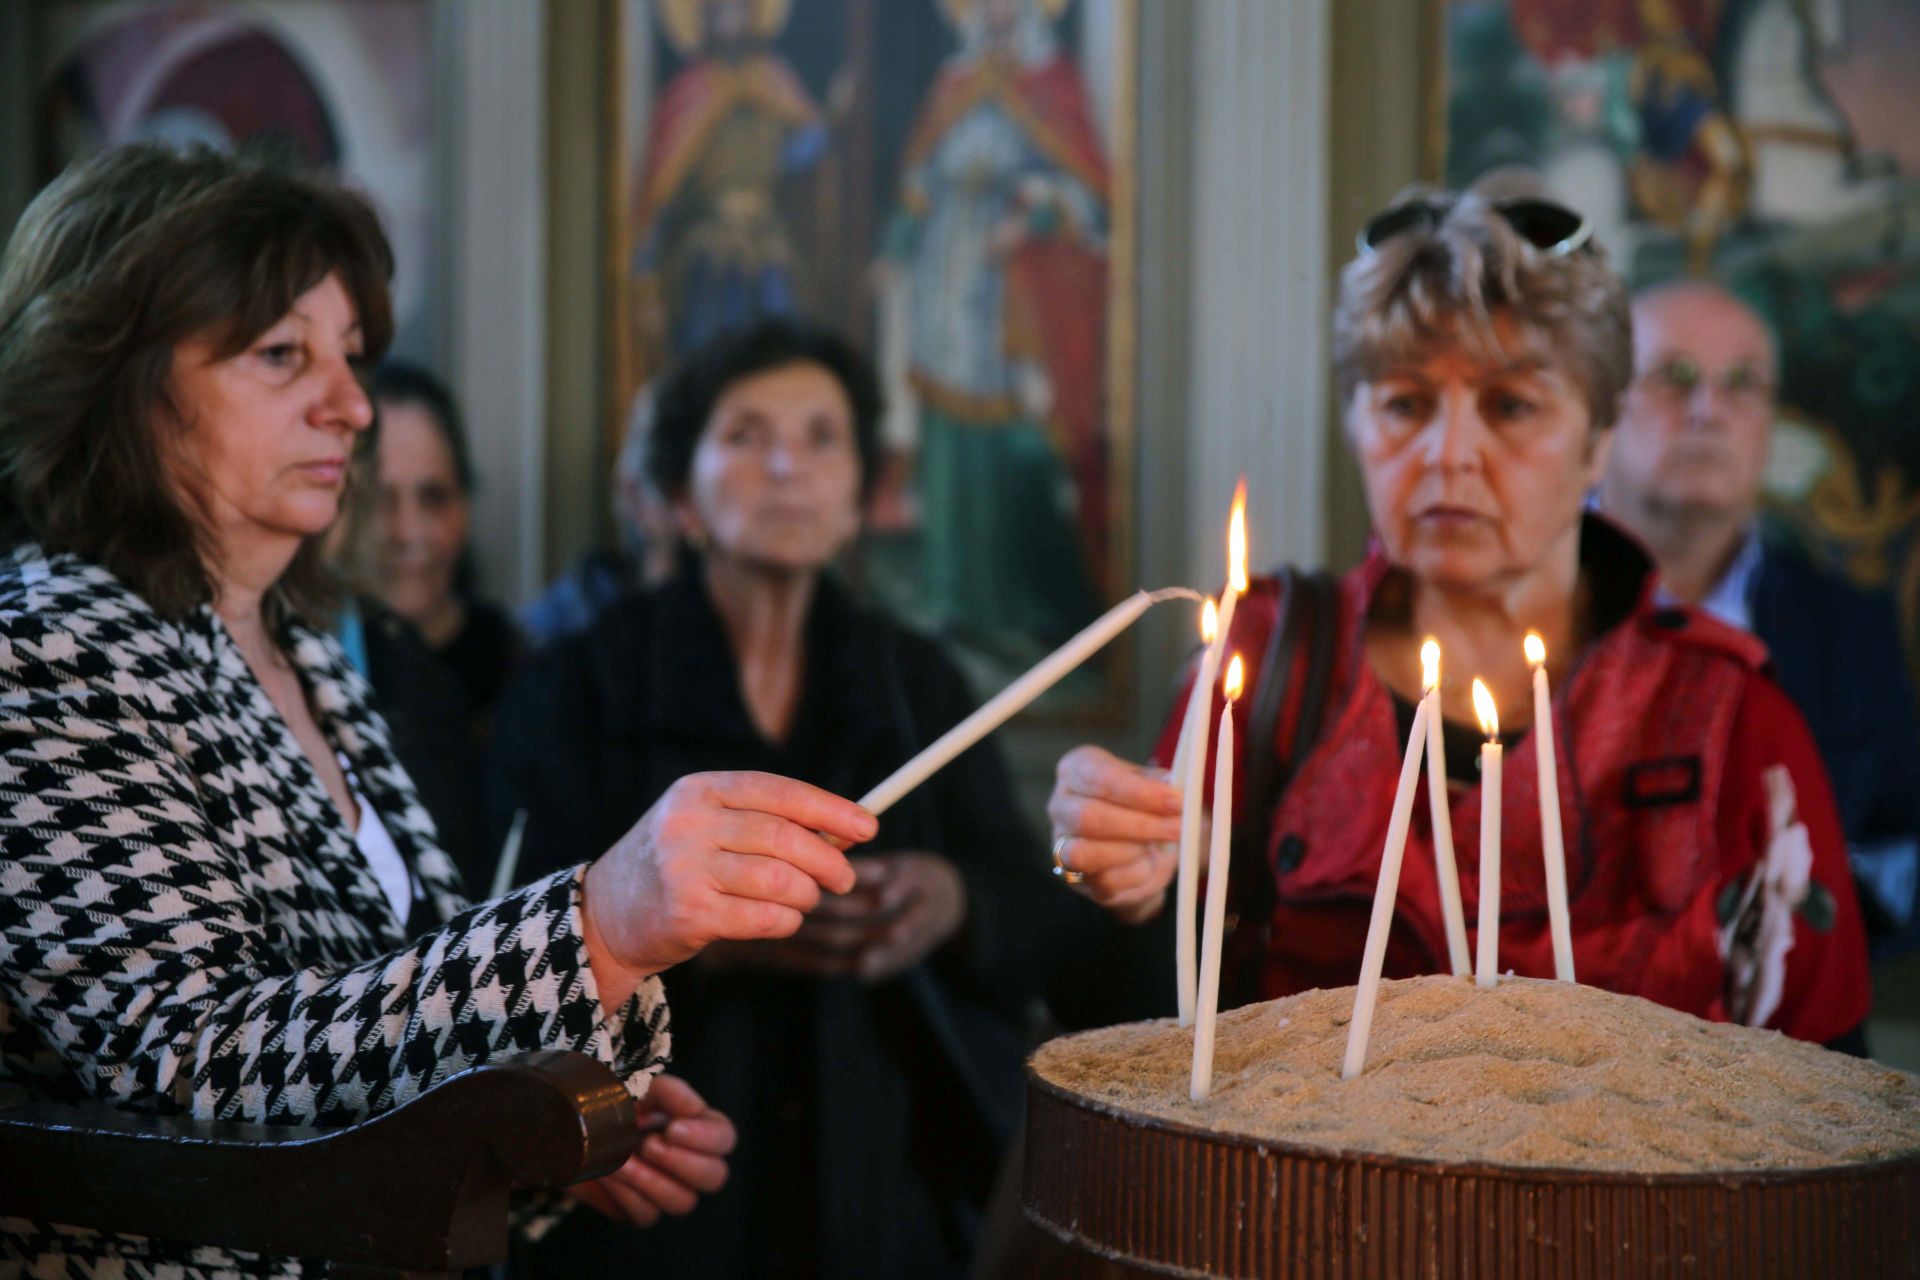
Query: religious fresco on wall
<point x="1770" y="144"/>
<point x="945" y="181"/>
<point x="338" y="86"/>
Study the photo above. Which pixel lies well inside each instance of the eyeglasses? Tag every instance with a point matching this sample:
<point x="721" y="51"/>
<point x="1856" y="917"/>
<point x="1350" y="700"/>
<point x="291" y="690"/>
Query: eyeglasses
<point x="1552" y="229"/>
<point x="1678" y="377"/>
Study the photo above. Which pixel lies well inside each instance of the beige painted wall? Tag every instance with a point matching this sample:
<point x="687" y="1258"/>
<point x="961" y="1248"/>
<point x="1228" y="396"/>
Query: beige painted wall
<point x="1385" y="66"/>
<point x="579" y="33"/>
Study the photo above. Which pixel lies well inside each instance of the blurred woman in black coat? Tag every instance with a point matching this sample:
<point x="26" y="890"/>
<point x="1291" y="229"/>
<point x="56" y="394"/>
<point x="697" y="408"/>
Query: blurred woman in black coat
<point x="872" y="1061"/>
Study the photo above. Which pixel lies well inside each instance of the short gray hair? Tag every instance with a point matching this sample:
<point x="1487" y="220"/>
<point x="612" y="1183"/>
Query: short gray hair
<point x="1433" y="285"/>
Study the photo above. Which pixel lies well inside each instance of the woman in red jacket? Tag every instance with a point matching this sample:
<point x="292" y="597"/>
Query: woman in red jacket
<point x="1481" y="349"/>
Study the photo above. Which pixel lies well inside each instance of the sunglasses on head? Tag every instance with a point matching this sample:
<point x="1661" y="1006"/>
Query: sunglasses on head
<point x="1552" y="229"/>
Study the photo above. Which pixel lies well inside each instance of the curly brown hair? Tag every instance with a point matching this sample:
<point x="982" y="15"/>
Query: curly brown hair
<point x="1444" y="283"/>
<point x="119" y="260"/>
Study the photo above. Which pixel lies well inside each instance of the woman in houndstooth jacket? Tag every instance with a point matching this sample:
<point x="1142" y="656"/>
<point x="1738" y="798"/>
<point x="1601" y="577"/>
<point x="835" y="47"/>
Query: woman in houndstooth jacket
<point x="210" y="863"/>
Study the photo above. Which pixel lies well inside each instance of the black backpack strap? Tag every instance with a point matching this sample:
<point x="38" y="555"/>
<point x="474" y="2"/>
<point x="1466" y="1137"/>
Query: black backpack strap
<point x="1263" y="716"/>
<point x="1322" y="598"/>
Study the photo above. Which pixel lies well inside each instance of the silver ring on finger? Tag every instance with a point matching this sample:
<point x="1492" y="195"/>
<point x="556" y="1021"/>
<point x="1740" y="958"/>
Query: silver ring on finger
<point x="1067" y="874"/>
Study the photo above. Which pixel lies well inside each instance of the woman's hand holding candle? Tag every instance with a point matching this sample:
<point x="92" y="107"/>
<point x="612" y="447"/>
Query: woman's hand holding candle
<point x="1488" y="970"/>
<point x="1116" y="823"/>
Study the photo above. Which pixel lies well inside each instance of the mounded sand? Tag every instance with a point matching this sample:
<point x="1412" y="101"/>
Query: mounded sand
<point x="1530" y="1073"/>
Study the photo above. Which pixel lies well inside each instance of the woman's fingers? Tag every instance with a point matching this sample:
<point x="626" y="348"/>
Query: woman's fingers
<point x="900" y="945"/>
<point x="1077" y="815"/>
<point x="1122" y="881"/>
<point x="1103" y="856"/>
<point x="806" y="806"/>
<point x="659" y="1188"/>
<point x="1101" y="775"/>
<point x="840" y="936"/>
<point x="1149" y="874"/>
<point x="745" y="919"/>
<point x="613" y="1197"/>
<point x="671" y="1094"/>
<point x="772" y="836"/>
<point x="746" y="875"/>
<point x="709" y="1134"/>
<point x="697" y="1170"/>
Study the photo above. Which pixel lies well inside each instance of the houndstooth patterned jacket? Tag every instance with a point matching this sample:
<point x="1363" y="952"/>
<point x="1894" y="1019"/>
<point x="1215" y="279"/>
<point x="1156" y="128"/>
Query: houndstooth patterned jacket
<point x="186" y="925"/>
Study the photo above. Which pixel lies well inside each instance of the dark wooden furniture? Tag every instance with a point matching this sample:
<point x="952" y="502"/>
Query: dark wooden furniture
<point x="419" y="1191"/>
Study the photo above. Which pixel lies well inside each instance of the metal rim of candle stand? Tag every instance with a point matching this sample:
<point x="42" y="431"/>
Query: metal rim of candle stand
<point x="1121" y="1185"/>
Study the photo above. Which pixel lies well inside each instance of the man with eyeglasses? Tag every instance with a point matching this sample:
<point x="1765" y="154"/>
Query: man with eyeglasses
<point x="1689" y="455"/>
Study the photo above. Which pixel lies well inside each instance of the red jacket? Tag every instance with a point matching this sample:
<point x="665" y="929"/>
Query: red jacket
<point x="1667" y="725"/>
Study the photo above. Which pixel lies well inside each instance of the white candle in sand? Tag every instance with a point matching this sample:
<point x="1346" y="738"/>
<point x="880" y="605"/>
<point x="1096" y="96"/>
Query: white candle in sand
<point x="1488" y="971"/>
<point x="1552" y="839"/>
<point x="1206" y="1016"/>
<point x="1385" y="890"/>
<point x="1189" y="772"/>
<point x="1445" y="869"/>
<point x="1008" y="702"/>
<point x="1190" y="761"/>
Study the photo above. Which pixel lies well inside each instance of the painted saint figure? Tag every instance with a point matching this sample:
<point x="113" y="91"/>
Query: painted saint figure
<point x="728" y="130"/>
<point x="1000" y="246"/>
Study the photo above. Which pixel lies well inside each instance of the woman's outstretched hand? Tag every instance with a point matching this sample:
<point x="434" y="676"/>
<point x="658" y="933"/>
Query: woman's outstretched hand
<point x="720" y="856"/>
<point x="1118" y="825"/>
<point x="673" y="1166"/>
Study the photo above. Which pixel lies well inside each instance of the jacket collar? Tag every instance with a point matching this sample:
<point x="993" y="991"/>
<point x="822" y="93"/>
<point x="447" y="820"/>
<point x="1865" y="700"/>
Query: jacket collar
<point x="342" y="702"/>
<point x="1615" y="569"/>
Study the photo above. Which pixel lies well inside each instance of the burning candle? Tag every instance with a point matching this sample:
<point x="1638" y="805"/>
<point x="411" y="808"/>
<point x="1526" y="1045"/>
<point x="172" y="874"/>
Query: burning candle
<point x="1552" y="840"/>
<point x="1445" y="869"/>
<point x="1207" y="1015"/>
<point x="1367" y="994"/>
<point x="1005" y="704"/>
<point x="1189" y="770"/>
<point x="1190" y="758"/>
<point x="1489" y="966"/>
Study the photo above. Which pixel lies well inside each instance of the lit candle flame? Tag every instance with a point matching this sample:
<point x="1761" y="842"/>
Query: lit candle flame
<point x="1209" y="621"/>
<point x="1236" y="677"/>
<point x="1484" y="708"/>
<point x="1536" y="649"/>
<point x="1430" y="665"/>
<point x="1237" y="540"/>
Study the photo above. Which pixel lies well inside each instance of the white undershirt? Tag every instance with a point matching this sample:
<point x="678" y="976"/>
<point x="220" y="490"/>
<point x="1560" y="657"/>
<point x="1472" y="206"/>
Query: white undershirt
<point x="376" y="845"/>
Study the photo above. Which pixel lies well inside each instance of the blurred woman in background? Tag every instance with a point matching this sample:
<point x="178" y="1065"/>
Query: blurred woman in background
<point x="424" y="536"/>
<point x="874" y="1056"/>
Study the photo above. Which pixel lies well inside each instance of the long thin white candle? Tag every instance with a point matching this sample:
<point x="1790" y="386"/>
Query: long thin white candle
<point x="1195" y="741"/>
<point x="1490" y="751"/>
<point x="1552" y="839"/>
<point x="1206" y="1017"/>
<point x="1446" y="871"/>
<point x="1489" y="968"/>
<point x="1190" y="760"/>
<point x="1385" y="890"/>
<point x="1004" y="705"/>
